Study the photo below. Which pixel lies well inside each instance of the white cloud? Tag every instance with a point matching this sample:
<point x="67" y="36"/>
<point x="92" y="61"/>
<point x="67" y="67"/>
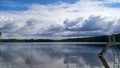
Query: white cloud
<point x="55" y="19"/>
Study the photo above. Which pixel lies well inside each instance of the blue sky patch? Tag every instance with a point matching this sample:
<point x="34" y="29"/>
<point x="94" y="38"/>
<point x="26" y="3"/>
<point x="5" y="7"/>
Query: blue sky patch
<point x="16" y="8"/>
<point x="44" y="1"/>
<point x="20" y="5"/>
<point x="113" y="5"/>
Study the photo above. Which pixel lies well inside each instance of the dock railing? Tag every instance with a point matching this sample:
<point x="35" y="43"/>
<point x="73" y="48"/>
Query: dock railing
<point x="114" y="45"/>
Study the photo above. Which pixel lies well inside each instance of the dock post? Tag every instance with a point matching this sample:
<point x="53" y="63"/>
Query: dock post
<point x="106" y="46"/>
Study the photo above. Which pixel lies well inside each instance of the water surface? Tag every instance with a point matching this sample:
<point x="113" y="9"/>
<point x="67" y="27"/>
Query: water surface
<point x="51" y="55"/>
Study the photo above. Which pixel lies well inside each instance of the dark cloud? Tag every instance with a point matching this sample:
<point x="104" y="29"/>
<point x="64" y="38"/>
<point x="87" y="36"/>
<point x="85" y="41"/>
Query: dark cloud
<point x="93" y="26"/>
<point x="71" y="23"/>
<point x="116" y="26"/>
<point x="93" y="23"/>
<point x="8" y="27"/>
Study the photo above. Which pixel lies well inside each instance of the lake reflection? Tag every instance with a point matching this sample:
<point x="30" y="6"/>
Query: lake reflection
<point x="26" y="55"/>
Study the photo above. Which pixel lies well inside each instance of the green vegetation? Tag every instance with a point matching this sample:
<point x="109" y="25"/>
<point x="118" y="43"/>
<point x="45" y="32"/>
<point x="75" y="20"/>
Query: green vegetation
<point x="88" y="39"/>
<point x="26" y="40"/>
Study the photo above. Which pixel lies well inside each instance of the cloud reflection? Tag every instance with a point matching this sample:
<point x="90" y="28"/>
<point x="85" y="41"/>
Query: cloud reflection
<point x="49" y="56"/>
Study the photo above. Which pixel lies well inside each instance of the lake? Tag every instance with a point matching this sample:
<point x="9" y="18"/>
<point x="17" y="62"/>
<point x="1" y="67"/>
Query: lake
<point x="52" y="55"/>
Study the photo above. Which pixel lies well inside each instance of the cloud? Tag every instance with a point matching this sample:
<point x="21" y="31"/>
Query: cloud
<point x="82" y="18"/>
<point x="93" y="23"/>
<point x="93" y="26"/>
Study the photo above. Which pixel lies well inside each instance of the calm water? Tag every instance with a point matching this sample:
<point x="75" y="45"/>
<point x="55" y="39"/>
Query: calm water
<point x="50" y="55"/>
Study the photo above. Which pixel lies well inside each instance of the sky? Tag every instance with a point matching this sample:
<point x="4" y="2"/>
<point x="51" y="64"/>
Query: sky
<point x="58" y="18"/>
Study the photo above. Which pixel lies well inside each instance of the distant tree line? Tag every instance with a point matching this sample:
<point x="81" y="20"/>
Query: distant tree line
<point x="88" y="39"/>
<point x="26" y="40"/>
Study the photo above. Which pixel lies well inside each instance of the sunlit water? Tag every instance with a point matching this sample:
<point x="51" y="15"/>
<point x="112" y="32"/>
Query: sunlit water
<point x="38" y="55"/>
